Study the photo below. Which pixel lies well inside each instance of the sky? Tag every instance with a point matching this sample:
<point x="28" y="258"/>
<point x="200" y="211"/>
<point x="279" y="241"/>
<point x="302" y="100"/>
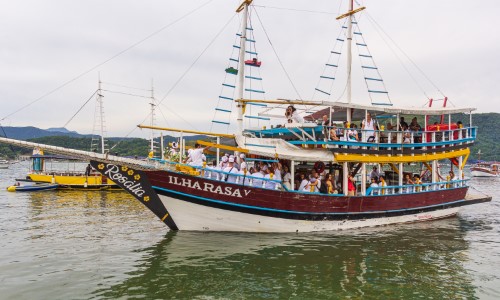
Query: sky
<point x="53" y="52"/>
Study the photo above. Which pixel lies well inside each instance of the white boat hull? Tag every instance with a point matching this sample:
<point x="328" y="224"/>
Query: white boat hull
<point x="191" y="216"/>
<point x="483" y="174"/>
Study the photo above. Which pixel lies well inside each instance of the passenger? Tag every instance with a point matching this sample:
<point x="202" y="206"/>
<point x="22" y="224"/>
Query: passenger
<point x="329" y="184"/>
<point x="351" y="186"/>
<point x="303" y="182"/>
<point x="209" y="168"/>
<point x="342" y="132"/>
<point x="256" y="182"/>
<point x="406" y="135"/>
<point x="287" y="178"/>
<point x="312" y="186"/>
<point x="235" y="163"/>
<point x="393" y="135"/>
<point x="231" y="169"/>
<point x="223" y="162"/>
<point x="352" y="133"/>
<point x="382" y="184"/>
<point x="402" y="123"/>
<point x="368" y="126"/>
<point x="418" y="183"/>
<point x="195" y="156"/>
<point x="242" y="160"/>
<point x="374" y="173"/>
<point x="292" y="114"/>
<point x="270" y="184"/>
<point x="278" y="170"/>
<point x="374" y="186"/>
<point x="409" y="182"/>
<point x="333" y="133"/>
<point x="416" y="128"/>
<point x="316" y="175"/>
<point x="244" y="180"/>
<point x="453" y="177"/>
<point x="325" y="123"/>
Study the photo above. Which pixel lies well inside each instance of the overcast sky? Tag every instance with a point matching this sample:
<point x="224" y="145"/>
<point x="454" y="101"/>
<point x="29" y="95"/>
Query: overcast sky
<point x="46" y="44"/>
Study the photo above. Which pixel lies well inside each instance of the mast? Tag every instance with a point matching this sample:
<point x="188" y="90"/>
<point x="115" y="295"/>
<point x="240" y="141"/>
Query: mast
<point x="241" y="61"/>
<point x="349" y="15"/>
<point x="101" y="114"/>
<point x="349" y="59"/>
<point x="152" y="121"/>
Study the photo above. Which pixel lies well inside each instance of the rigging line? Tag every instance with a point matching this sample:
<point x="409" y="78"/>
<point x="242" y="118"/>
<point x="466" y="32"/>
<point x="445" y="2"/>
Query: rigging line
<point x="128" y="94"/>
<point x="107" y="60"/>
<point x="407" y="57"/>
<point x="71" y="119"/>
<point x="294" y="9"/>
<point x="399" y="59"/>
<point x="124" y="86"/>
<point x="189" y="69"/>
<point x="276" y="53"/>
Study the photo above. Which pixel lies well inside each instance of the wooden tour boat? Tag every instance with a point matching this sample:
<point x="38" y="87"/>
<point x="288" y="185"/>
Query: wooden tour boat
<point x="197" y="196"/>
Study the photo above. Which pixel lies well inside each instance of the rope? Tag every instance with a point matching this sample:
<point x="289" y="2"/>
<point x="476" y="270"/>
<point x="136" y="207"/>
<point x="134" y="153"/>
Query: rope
<point x="178" y="81"/>
<point x="107" y="60"/>
<point x="128" y="87"/>
<point x="128" y="94"/>
<point x="406" y="55"/>
<point x="294" y="9"/>
<point x="189" y="69"/>
<point x="71" y="119"/>
<point x="277" y="56"/>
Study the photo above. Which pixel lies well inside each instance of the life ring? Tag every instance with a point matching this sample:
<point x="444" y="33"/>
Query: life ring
<point x="319" y="166"/>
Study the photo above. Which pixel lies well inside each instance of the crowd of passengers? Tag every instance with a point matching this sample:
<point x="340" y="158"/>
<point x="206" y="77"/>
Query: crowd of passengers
<point x="412" y="133"/>
<point x="235" y="169"/>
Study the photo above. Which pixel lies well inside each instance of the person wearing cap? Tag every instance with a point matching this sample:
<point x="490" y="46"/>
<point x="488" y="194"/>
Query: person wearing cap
<point x="374" y="186"/>
<point x="245" y="173"/>
<point x="230" y="169"/>
<point x="223" y="162"/>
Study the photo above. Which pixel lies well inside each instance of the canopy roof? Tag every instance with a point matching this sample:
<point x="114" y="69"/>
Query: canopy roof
<point x="323" y="107"/>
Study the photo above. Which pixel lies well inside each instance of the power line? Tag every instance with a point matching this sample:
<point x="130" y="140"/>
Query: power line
<point x="107" y="60"/>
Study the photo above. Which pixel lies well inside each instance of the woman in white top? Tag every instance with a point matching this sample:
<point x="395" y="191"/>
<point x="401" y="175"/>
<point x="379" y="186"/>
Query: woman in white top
<point x="292" y="114"/>
<point x="368" y="127"/>
<point x="303" y="182"/>
<point x="287" y="178"/>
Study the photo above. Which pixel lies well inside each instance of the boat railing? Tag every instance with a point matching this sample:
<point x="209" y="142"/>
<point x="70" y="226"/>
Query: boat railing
<point x="209" y="172"/>
<point x="248" y="180"/>
<point x="415" y="188"/>
<point x="383" y="139"/>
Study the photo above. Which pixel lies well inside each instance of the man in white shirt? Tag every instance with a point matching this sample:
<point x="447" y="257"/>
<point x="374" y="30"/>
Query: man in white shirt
<point x="255" y="181"/>
<point x="195" y="156"/>
<point x="231" y="169"/>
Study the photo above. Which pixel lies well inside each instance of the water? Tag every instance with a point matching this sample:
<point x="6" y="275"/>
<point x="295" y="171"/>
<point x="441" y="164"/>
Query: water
<point x="96" y="245"/>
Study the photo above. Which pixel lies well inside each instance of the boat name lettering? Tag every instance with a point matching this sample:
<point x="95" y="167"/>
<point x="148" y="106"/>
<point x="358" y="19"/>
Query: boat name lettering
<point x="133" y="186"/>
<point x="207" y="187"/>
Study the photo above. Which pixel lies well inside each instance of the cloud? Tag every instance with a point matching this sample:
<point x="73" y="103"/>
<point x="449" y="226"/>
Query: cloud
<point x="45" y="44"/>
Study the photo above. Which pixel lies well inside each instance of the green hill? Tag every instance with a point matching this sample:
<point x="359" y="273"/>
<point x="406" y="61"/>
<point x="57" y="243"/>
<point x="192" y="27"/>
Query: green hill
<point x="488" y="131"/>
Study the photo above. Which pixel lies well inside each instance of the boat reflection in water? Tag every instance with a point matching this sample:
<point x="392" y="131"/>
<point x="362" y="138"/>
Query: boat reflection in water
<point x="391" y="262"/>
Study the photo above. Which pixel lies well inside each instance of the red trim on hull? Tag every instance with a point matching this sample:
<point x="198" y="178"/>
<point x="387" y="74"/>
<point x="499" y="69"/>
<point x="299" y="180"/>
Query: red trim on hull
<point x="313" y="203"/>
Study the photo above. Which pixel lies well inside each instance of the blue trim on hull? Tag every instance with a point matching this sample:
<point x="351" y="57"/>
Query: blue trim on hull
<point x="347" y="215"/>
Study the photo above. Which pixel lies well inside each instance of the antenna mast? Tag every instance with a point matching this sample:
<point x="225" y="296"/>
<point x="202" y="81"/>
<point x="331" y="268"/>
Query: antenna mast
<point x="241" y="61"/>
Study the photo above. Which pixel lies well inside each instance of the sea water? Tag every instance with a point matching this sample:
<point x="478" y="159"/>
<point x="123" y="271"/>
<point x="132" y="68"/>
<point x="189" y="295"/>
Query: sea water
<point x="100" y="245"/>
